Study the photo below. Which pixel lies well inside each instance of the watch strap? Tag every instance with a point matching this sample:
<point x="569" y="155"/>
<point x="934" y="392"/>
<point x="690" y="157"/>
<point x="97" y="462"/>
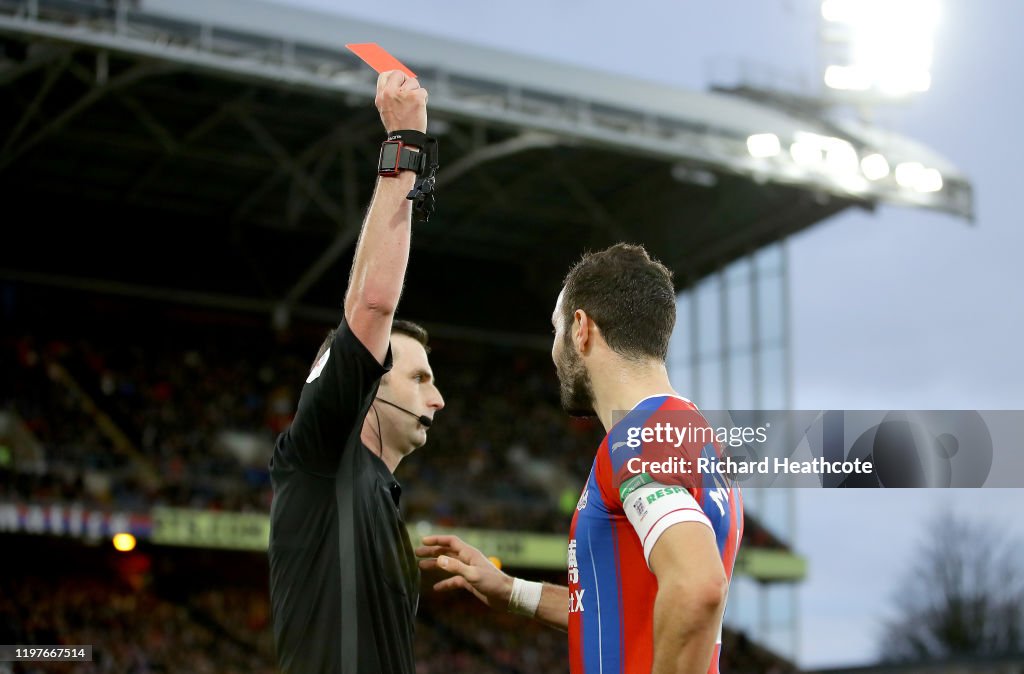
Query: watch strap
<point x="410" y="137"/>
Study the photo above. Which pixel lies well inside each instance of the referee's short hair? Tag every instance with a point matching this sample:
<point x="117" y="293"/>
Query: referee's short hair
<point x="414" y="330"/>
<point x="407" y="328"/>
<point x="628" y="294"/>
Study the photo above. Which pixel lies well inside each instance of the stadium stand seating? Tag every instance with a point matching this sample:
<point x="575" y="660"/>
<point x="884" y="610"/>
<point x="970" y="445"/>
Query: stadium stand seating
<point x="203" y="415"/>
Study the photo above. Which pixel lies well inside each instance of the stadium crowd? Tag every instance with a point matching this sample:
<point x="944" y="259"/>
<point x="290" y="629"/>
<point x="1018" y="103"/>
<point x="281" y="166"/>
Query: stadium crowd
<point x="137" y="627"/>
<point x="138" y="630"/>
<point x="132" y="630"/>
<point x="201" y="418"/>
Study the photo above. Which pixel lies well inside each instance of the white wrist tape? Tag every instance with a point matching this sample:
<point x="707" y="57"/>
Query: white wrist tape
<point x="525" y="597"/>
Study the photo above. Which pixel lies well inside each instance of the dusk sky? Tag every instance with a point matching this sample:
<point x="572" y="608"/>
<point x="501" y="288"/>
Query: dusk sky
<point x="892" y="310"/>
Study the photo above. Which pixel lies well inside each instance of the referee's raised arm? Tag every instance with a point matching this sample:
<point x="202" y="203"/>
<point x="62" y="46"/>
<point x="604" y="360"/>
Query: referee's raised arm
<point x="344" y="584"/>
<point x="382" y="253"/>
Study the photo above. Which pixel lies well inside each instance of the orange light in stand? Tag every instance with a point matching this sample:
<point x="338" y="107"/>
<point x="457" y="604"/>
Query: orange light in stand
<point x="124" y="542"/>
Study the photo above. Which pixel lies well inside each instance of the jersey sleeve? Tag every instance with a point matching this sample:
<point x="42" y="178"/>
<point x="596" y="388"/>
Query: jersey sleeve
<point x="654" y="468"/>
<point x="333" y="404"/>
<point x="653" y="507"/>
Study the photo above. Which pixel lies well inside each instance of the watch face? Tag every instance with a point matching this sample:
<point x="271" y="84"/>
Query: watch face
<point x="389" y="156"/>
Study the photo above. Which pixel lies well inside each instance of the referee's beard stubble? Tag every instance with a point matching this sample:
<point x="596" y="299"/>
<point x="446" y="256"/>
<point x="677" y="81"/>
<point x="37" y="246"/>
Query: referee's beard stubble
<point x="575" y="389"/>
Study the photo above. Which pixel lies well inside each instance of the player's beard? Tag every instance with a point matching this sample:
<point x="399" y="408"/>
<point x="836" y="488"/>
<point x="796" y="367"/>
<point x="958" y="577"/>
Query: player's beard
<point x="574" y="384"/>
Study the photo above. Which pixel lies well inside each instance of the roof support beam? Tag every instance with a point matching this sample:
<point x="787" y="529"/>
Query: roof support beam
<point x="150" y="123"/>
<point x="482" y="153"/>
<point x="298" y="199"/>
<point x="54" y="71"/>
<point x="281" y="155"/>
<point x="478" y="152"/>
<point x="179" y="147"/>
<point x="42" y="56"/>
<point x="344" y="238"/>
<point x="87" y="100"/>
<point x="253" y="162"/>
<point x="578" y="191"/>
<point x="529" y="140"/>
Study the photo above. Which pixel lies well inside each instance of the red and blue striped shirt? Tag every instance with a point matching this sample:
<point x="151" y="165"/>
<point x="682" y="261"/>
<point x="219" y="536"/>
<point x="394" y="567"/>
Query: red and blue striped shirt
<point x="625" y="506"/>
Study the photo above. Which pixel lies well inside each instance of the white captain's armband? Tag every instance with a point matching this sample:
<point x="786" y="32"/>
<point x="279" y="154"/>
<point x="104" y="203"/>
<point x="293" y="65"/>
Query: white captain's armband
<point x="655" y="507"/>
<point x="319" y="367"/>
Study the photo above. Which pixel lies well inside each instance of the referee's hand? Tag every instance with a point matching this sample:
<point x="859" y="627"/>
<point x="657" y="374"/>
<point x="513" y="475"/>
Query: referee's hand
<point x="402" y="102"/>
<point x="469" y="569"/>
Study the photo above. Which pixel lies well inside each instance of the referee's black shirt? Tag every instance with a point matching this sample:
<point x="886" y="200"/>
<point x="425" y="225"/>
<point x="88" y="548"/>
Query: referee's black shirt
<point x="344" y="583"/>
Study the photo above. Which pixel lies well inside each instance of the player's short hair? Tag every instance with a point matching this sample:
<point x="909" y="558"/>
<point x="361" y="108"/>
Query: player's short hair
<point x="407" y="328"/>
<point x="628" y="294"/>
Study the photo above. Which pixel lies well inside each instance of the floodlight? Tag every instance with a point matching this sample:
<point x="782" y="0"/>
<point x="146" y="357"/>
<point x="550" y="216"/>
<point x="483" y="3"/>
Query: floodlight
<point x="930" y="180"/>
<point x="805" y="152"/>
<point x="908" y="173"/>
<point x="874" y="166"/>
<point x="763" y="145"/>
<point x="840" y="157"/>
<point x="847" y="78"/>
<point x="913" y="175"/>
<point x="887" y="44"/>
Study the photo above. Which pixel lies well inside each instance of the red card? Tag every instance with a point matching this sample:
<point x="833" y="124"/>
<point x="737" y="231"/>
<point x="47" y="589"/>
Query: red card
<point x="377" y="58"/>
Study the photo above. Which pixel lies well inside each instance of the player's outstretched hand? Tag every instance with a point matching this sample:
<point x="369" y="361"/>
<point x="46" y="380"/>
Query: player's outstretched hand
<point x="402" y="102"/>
<point x="469" y="569"/>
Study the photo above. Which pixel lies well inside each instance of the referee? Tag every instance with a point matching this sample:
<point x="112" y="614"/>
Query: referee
<point x="344" y="582"/>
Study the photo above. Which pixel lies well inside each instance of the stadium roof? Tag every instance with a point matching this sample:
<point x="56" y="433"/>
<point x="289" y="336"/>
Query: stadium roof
<point x="222" y="154"/>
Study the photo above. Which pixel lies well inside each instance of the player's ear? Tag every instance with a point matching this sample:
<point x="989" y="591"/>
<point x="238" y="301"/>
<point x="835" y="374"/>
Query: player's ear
<point x="581" y="328"/>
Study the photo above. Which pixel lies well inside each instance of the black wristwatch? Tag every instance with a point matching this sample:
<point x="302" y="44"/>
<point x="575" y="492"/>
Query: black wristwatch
<point x="395" y="155"/>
